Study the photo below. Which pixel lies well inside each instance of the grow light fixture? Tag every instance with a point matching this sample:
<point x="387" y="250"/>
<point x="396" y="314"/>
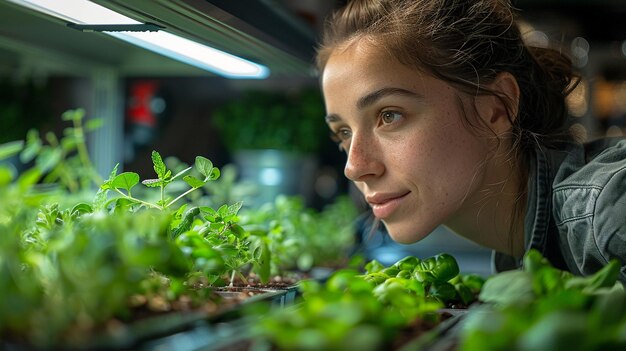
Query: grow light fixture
<point x="87" y="13"/>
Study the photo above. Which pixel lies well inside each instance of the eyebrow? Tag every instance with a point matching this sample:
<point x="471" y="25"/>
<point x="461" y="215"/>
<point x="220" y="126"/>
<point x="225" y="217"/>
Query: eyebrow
<point x="332" y="118"/>
<point x="374" y="96"/>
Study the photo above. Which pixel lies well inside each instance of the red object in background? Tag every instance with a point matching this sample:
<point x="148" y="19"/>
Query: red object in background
<point x="140" y="103"/>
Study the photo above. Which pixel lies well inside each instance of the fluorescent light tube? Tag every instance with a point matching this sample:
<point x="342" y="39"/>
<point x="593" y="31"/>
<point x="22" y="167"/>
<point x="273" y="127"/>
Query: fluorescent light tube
<point x="77" y="11"/>
<point x="195" y="54"/>
<point x="164" y="43"/>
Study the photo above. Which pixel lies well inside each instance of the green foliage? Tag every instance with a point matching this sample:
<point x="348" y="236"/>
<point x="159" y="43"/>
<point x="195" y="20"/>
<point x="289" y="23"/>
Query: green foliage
<point x="354" y="311"/>
<point x="301" y="238"/>
<point x="262" y="120"/>
<point x="64" y="162"/>
<point x="123" y="183"/>
<point x="544" y="308"/>
<point x="69" y="265"/>
<point x="437" y="276"/>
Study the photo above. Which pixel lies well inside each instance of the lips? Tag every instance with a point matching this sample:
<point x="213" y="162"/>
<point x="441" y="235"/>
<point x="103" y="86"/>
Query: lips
<point x="385" y="204"/>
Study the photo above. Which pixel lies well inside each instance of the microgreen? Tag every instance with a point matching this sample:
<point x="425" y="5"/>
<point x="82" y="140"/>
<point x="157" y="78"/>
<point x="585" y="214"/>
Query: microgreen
<point x="541" y="307"/>
<point x="350" y="311"/>
<point x="63" y="161"/>
<point x="69" y="265"/>
<point x="124" y="182"/>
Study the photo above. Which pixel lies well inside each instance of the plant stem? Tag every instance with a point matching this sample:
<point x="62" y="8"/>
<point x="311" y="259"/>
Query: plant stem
<point x="162" y="193"/>
<point x="206" y="179"/>
<point x="232" y="278"/>
<point x="83" y="153"/>
<point x="69" y="181"/>
<point x="137" y="200"/>
<point x="180" y="197"/>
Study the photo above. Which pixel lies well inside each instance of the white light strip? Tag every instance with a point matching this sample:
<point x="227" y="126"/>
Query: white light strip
<point x="77" y="11"/>
<point x="164" y="43"/>
<point x="195" y="54"/>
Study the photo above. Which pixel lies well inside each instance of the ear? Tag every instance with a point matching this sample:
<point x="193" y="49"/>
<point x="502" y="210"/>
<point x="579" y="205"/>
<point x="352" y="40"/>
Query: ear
<point x="499" y="111"/>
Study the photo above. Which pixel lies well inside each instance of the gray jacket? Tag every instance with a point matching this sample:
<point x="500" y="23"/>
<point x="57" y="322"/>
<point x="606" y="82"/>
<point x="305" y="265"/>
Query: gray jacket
<point x="576" y="214"/>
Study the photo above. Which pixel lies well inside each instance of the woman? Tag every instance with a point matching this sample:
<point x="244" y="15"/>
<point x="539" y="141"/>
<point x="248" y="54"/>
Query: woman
<point x="448" y="118"/>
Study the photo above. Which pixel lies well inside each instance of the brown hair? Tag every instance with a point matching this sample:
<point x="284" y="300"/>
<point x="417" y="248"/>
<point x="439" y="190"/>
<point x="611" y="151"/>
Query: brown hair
<point x="466" y="43"/>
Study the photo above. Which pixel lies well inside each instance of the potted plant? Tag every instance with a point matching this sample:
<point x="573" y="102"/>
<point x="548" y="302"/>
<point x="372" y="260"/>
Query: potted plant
<point x="273" y="139"/>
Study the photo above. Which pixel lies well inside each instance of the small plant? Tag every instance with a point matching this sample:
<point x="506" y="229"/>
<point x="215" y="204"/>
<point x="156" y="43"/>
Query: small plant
<point x="367" y="311"/>
<point x="214" y="233"/>
<point x="299" y="237"/>
<point x="124" y="182"/>
<point x="437" y="276"/>
<point x="62" y="161"/>
<point x="541" y="307"/>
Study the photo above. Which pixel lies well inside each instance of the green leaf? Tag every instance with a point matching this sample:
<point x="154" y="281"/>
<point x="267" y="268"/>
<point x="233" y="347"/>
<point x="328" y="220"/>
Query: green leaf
<point x="99" y="201"/>
<point x="604" y="278"/>
<point x="52" y="138"/>
<point x="121" y="205"/>
<point x="80" y="209"/>
<point x="215" y="173"/>
<point x="407" y="263"/>
<point x="204" y="166"/>
<point x="114" y="171"/>
<point x="217" y="226"/>
<point x="373" y="266"/>
<point x="106" y="185"/>
<point x="186" y="222"/>
<point x="443" y="291"/>
<point x="262" y="255"/>
<point x="210" y="214"/>
<point x="159" y="165"/>
<point x="193" y="181"/>
<point x="464" y="293"/>
<point x="508" y="288"/>
<point x="73" y="115"/>
<point x="29" y="178"/>
<point x="237" y="230"/>
<point x="93" y="124"/>
<point x="6" y="175"/>
<point x="48" y="158"/>
<point x="223" y="211"/>
<point x="234" y="208"/>
<point x="10" y="149"/>
<point x="125" y="180"/>
<point x="33" y="145"/>
<point x="305" y="262"/>
<point x="152" y="183"/>
<point x="69" y="143"/>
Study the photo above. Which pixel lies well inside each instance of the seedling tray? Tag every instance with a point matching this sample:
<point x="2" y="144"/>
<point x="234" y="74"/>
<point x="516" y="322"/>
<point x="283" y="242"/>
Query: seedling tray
<point x="147" y="332"/>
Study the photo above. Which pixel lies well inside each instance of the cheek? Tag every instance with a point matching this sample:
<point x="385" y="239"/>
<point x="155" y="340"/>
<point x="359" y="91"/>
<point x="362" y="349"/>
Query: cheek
<point x="444" y="158"/>
<point x="458" y="172"/>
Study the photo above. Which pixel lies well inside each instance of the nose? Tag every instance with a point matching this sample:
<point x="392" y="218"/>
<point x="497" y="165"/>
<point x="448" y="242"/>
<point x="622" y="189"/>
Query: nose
<point x="363" y="159"/>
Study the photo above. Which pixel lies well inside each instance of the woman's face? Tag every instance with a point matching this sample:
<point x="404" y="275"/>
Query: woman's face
<point x="408" y="148"/>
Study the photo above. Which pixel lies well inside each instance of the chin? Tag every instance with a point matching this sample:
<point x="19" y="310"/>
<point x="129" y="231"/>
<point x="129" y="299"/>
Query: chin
<point x="404" y="235"/>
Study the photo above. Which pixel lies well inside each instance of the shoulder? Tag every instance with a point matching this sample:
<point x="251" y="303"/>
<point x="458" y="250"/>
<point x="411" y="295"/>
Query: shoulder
<point x="589" y="203"/>
<point x="590" y="178"/>
<point x="592" y="164"/>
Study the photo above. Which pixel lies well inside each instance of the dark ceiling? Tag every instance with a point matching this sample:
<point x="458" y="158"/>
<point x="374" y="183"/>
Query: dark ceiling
<point x="598" y="20"/>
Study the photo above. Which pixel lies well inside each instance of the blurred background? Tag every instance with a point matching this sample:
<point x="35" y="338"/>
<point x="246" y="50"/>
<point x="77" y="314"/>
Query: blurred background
<point x="268" y="127"/>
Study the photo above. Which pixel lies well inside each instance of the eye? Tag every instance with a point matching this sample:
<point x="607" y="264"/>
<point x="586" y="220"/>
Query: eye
<point x="388" y="117"/>
<point x="341" y="137"/>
